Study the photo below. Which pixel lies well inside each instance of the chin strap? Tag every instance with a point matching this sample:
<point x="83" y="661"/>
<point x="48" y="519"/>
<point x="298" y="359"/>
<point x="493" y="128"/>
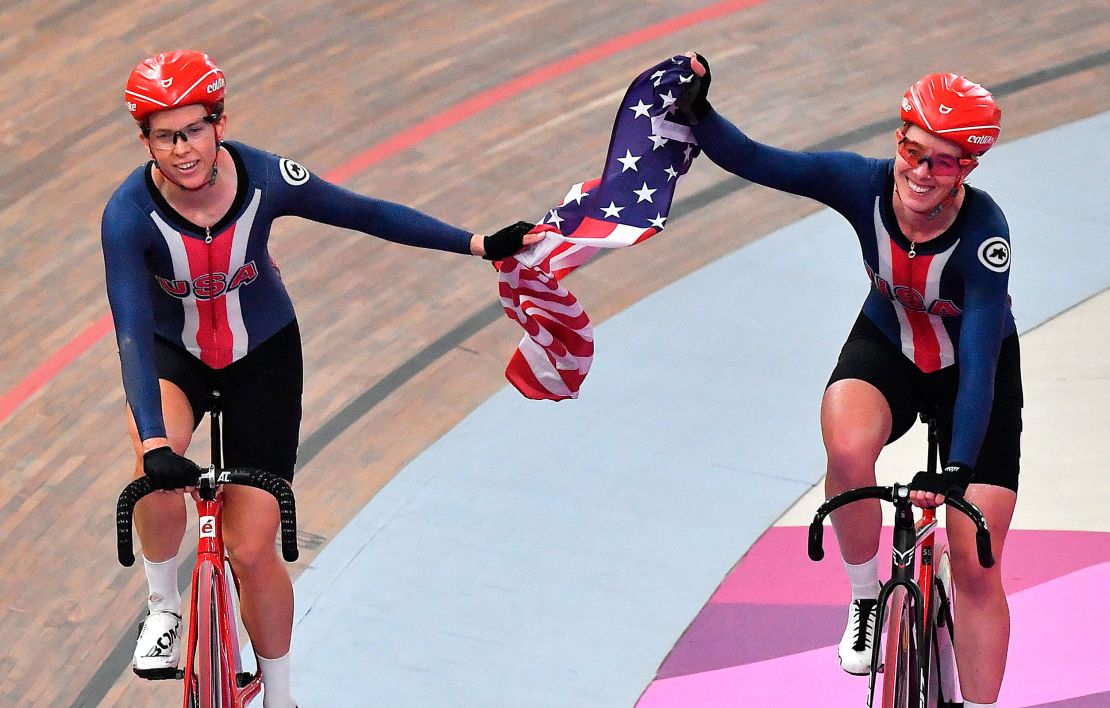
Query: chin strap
<point x="215" y="167"/>
<point x="939" y="207"/>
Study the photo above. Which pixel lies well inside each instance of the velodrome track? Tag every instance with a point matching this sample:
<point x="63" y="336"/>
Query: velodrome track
<point x="389" y="372"/>
<point x="558" y="575"/>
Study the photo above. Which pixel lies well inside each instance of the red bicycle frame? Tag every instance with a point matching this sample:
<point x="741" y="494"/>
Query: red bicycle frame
<point x="211" y="593"/>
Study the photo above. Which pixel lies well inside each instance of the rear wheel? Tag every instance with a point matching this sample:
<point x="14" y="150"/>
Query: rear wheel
<point x="942" y="661"/>
<point x="901" y="676"/>
<point x="211" y="689"/>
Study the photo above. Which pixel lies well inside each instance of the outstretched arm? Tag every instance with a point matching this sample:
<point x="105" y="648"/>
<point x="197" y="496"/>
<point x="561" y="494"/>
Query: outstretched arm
<point x="319" y="200"/>
<point x="824" y="176"/>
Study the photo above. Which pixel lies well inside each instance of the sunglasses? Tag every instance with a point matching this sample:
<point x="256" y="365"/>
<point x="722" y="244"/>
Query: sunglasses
<point x="940" y="164"/>
<point x="165" y="140"/>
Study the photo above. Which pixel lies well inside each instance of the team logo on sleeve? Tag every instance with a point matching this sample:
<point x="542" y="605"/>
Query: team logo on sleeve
<point x="292" y="172"/>
<point x="994" y="253"/>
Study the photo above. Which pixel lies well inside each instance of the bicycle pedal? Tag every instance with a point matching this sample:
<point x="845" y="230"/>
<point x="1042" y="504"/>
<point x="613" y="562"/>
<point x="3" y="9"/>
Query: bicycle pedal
<point x="167" y="674"/>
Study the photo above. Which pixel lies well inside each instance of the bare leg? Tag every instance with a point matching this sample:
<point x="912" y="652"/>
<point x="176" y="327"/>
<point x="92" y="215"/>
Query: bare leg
<point x="160" y="517"/>
<point x="982" y="612"/>
<point x="855" y="424"/>
<point x="250" y="524"/>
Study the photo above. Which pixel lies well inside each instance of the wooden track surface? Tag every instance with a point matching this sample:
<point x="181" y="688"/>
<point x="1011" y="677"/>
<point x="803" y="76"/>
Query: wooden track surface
<point x="321" y="82"/>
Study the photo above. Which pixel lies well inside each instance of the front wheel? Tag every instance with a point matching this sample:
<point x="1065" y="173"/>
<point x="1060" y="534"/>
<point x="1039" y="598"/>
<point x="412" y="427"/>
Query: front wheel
<point x="212" y="684"/>
<point x="901" y="674"/>
<point x="943" y="678"/>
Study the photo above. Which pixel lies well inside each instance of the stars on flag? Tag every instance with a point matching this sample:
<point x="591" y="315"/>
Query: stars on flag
<point x="612" y="211"/>
<point x="644" y="193"/>
<point x="641" y="109"/>
<point x="629" y="161"/>
<point x="576" y="194"/>
<point x="645" y="160"/>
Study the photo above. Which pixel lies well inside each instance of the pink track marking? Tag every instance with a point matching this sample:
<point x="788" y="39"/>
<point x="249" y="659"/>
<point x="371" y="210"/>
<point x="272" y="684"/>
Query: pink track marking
<point x="1058" y="651"/>
<point x="1032" y="557"/>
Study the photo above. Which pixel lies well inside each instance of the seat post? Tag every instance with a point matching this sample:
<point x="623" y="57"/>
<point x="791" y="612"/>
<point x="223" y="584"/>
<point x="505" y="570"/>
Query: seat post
<point x="934" y="446"/>
<point x="214" y="418"/>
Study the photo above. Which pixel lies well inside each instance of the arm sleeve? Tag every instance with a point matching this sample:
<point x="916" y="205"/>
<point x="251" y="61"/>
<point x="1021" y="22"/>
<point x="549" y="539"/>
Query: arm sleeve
<point x="984" y="319"/>
<point x="827" y="177"/>
<point x="321" y="201"/>
<point x="127" y="279"/>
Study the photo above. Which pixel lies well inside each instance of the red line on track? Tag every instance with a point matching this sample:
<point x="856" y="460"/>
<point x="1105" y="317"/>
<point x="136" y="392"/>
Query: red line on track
<point x="54" y="365"/>
<point x="403" y="140"/>
<point x="476" y="104"/>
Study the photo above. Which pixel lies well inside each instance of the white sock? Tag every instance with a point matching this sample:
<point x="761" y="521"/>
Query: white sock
<point x="973" y="704"/>
<point x="275" y="682"/>
<point x="864" y="579"/>
<point x="162" y="579"/>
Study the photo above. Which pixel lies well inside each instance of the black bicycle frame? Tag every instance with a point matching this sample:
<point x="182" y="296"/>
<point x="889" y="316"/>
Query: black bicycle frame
<point x="908" y="535"/>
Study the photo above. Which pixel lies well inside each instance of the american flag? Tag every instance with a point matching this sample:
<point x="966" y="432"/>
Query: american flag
<point x="651" y="147"/>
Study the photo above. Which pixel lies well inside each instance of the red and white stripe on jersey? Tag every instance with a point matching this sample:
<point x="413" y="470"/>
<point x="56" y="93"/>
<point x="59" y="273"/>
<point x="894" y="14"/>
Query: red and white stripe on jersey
<point x="214" y="330"/>
<point x="925" y="341"/>
<point x="555" y="354"/>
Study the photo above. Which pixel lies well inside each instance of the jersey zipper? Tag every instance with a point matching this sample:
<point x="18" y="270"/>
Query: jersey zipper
<point x="912" y="253"/>
<point x="208" y="242"/>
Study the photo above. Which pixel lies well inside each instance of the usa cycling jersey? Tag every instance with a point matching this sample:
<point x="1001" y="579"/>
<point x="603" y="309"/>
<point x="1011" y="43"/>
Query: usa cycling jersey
<point x="215" y="291"/>
<point x="942" y="302"/>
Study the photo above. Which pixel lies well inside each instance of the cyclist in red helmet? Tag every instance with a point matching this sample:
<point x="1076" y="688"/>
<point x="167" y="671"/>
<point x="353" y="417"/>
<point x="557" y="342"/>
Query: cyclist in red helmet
<point x="173" y="80"/>
<point x="199" y="305"/>
<point x="935" y="334"/>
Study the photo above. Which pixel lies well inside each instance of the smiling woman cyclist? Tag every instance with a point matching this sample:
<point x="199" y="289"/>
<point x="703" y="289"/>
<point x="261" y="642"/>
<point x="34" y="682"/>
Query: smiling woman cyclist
<point x="198" y="305"/>
<point x="935" y="334"/>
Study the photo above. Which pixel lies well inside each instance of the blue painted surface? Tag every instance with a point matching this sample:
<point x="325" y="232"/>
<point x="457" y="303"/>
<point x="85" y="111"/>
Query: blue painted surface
<point x="564" y="576"/>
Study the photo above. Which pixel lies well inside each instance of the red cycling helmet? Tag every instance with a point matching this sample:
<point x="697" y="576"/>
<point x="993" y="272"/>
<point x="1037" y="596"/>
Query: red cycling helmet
<point x="173" y="79"/>
<point x="954" y="108"/>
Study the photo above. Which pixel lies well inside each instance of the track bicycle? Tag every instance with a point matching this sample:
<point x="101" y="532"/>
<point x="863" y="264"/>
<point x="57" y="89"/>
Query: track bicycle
<point x="213" y="674"/>
<point x="918" y="660"/>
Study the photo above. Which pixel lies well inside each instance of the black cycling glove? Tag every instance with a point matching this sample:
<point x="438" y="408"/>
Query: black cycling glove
<point x="168" y="470"/>
<point x="952" y="480"/>
<point x="506" y="242"/>
<point x="694" y="102"/>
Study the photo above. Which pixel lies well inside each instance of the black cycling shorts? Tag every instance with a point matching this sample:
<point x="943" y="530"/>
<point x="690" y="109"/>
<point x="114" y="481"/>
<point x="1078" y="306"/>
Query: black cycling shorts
<point x="869" y="356"/>
<point x="260" y="398"/>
